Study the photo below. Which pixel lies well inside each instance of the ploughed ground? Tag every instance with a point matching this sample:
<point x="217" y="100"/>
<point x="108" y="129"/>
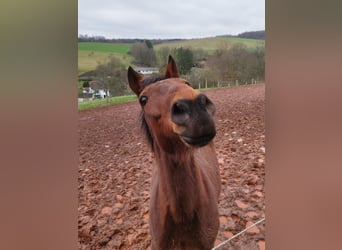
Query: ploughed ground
<point x="115" y="164"/>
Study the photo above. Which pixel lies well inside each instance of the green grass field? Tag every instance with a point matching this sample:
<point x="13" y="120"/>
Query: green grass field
<point x="212" y="44"/>
<point x="104" y="102"/>
<point x="90" y="54"/>
<point x="119" y="48"/>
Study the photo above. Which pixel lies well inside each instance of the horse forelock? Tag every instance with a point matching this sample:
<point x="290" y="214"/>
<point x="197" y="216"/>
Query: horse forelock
<point x="150" y="80"/>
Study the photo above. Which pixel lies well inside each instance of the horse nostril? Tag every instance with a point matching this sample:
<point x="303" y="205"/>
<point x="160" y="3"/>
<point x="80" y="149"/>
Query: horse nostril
<point x="203" y="100"/>
<point x="180" y="112"/>
<point x="179" y="108"/>
<point x="205" y="103"/>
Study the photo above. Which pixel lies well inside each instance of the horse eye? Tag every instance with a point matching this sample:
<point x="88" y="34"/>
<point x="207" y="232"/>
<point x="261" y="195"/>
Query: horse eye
<point x="143" y="100"/>
<point x="187" y="83"/>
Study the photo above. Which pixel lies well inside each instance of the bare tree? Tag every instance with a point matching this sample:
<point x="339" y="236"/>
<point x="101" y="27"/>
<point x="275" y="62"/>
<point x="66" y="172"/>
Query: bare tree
<point x="113" y="76"/>
<point x="143" y="54"/>
<point x="238" y="63"/>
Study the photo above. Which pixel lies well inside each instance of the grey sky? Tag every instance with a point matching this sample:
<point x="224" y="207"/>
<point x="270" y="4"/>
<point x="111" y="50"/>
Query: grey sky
<point x="169" y="19"/>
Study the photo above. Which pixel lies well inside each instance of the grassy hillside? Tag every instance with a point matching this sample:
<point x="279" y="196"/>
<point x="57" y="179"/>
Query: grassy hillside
<point x="212" y="44"/>
<point x="90" y="54"/>
<point x="104" y="102"/>
<point x="119" y="48"/>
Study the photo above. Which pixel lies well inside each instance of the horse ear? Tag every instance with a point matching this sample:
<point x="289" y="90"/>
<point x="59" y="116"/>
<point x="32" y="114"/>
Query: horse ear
<point x="134" y="79"/>
<point x="171" y="69"/>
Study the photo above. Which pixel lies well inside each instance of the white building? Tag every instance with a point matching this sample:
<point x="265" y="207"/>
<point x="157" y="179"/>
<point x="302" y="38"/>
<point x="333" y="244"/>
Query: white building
<point x="147" y="71"/>
<point x="95" y="90"/>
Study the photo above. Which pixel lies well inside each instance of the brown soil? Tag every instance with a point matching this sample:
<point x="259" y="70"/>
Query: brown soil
<point x="115" y="172"/>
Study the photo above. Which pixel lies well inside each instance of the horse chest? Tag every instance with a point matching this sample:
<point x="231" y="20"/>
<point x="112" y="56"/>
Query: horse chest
<point x="182" y="235"/>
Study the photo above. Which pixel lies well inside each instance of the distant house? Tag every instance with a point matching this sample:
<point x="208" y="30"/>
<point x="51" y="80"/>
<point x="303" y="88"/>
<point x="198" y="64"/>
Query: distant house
<point x="147" y="71"/>
<point x="93" y="90"/>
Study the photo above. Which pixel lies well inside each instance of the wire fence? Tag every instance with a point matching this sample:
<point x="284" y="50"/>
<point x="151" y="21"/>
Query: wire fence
<point x="238" y="234"/>
<point x="226" y="83"/>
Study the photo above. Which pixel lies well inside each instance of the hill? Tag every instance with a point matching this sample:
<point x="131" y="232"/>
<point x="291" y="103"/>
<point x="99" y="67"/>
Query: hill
<point x="210" y="45"/>
<point x="253" y="34"/>
<point x="90" y="54"/>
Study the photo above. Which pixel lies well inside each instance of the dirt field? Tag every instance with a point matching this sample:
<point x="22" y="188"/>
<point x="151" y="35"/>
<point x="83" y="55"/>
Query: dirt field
<point x="115" y="172"/>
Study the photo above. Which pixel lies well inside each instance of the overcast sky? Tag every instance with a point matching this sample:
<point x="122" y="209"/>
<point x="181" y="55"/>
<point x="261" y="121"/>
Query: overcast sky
<point x="169" y="19"/>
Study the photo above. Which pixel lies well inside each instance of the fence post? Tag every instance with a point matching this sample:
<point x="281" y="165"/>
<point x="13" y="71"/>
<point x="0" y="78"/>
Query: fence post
<point x="206" y="83"/>
<point x="199" y="85"/>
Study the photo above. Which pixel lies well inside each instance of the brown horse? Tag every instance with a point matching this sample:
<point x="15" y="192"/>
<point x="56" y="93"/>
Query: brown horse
<point x="179" y="125"/>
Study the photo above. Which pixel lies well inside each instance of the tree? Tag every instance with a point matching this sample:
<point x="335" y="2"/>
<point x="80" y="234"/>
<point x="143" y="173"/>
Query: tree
<point x="200" y="77"/>
<point x="149" y="44"/>
<point x="143" y="54"/>
<point x="238" y="63"/>
<point x="185" y="59"/>
<point x="260" y="57"/>
<point x="199" y="55"/>
<point x="113" y="76"/>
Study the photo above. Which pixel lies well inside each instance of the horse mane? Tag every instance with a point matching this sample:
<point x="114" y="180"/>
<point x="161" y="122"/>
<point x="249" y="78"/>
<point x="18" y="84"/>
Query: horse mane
<point x="146" y="130"/>
<point x="150" y="80"/>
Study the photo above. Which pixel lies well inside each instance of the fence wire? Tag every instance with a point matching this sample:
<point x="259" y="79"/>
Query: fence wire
<point x="238" y="234"/>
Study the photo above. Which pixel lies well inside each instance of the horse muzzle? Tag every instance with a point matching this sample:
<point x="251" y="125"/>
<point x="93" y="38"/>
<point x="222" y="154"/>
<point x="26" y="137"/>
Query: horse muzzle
<point x="194" y="120"/>
<point x="199" y="141"/>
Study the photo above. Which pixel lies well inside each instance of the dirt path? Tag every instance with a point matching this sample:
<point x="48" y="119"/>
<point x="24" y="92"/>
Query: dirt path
<point x="115" y="172"/>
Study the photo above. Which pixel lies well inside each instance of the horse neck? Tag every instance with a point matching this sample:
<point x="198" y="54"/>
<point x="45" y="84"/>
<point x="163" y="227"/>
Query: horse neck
<point x="179" y="181"/>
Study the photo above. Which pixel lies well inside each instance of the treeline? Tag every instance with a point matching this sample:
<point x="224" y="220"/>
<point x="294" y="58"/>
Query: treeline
<point x="85" y="38"/>
<point x="144" y="55"/>
<point x="260" y="34"/>
<point x="253" y="34"/>
<point x="237" y="64"/>
<point x="102" y="39"/>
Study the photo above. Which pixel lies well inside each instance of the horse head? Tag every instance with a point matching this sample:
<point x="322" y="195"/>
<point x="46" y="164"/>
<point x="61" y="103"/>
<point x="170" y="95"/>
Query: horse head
<point x="174" y="112"/>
